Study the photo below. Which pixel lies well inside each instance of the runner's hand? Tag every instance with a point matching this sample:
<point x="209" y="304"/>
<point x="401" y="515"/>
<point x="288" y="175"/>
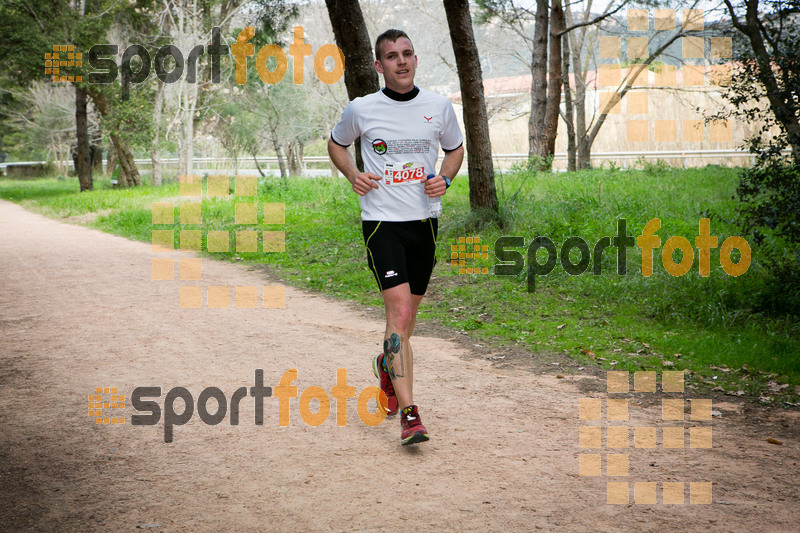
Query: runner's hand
<point x="435" y="186"/>
<point x="365" y="182"/>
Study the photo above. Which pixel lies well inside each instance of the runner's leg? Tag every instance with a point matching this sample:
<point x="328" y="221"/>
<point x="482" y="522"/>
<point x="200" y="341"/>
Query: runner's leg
<point x="401" y="312"/>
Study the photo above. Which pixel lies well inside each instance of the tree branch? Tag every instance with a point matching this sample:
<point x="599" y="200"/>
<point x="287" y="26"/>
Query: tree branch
<point x="592" y="22"/>
<point x="734" y="19"/>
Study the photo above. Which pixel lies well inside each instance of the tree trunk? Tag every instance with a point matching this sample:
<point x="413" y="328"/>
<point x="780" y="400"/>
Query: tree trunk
<point x="291" y="155"/>
<point x="482" y="193"/>
<point x="582" y="139"/>
<point x="569" y="111"/>
<point x="579" y="76"/>
<point x="82" y="165"/>
<point x="554" y="82"/>
<point x="188" y="122"/>
<point x="129" y="174"/>
<point x="186" y="136"/>
<point x="279" y="153"/>
<point x="112" y="160"/>
<point x="577" y="40"/>
<point x="255" y="158"/>
<point x="538" y="81"/>
<point x="186" y="32"/>
<point x="96" y="157"/>
<point x="352" y="37"/>
<point x="300" y="147"/>
<point x="155" y="148"/>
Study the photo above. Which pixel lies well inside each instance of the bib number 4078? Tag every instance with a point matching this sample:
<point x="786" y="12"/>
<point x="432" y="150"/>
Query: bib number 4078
<point x="403" y="173"/>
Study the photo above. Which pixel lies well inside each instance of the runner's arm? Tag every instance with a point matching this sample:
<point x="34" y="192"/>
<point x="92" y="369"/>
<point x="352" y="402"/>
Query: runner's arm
<point x="450" y="166"/>
<point x="362" y="182"/>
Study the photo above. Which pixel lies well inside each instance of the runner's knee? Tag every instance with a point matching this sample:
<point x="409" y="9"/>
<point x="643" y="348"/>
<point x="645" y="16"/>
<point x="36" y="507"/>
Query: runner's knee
<point x="399" y="317"/>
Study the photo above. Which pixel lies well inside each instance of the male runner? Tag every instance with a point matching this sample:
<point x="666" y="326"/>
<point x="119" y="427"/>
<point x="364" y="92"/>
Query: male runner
<point x="401" y="128"/>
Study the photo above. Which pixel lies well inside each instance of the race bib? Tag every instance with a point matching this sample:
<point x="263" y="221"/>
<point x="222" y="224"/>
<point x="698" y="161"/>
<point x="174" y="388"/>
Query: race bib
<point x="403" y="173"/>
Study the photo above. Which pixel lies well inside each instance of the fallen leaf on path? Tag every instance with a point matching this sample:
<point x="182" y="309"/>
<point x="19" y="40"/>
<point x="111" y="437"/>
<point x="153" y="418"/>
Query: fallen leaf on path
<point x="774" y="386"/>
<point x="775" y="441"/>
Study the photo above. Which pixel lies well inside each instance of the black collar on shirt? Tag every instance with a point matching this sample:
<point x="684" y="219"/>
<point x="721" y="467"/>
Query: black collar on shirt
<point x="401" y="97"/>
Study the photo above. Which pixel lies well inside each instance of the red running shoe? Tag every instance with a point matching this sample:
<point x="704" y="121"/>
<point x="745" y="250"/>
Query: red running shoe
<point x="413" y="430"/>
<point x="390" y="405"/>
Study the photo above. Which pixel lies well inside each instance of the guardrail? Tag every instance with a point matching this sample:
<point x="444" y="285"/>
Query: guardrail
<point x="207" y="164"/>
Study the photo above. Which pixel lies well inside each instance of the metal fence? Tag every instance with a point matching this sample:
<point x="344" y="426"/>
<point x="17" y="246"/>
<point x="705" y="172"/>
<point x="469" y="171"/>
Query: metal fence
<point x="320" y="165"/>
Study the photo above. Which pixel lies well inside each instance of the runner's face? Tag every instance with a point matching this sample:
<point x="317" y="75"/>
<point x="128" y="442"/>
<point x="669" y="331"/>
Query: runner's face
<point x="398" y="64"/>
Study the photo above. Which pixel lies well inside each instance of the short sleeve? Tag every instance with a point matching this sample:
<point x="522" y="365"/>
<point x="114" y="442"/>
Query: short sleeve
<point x="346" y="130"/>
<point x="451" y="137"/>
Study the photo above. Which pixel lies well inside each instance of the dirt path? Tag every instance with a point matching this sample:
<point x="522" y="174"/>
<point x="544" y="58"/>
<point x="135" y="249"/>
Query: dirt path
<point x="79" y="309"/>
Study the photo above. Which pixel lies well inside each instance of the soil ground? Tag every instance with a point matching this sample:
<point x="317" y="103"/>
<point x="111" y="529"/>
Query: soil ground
<point x="79" y="309"/>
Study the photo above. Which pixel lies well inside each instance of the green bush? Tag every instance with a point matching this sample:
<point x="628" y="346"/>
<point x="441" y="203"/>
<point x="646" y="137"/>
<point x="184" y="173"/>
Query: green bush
<point x="770" y="203"/>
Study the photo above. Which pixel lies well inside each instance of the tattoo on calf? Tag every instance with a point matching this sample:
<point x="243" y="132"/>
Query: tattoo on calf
<point x="393" y="347"/>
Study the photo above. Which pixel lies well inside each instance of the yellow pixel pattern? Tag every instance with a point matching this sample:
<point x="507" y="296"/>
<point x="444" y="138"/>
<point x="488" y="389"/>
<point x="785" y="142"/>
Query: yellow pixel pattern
<point x="96" y="404"/>
<point x="246" y="212"/>
<point x="618" y="438"/>
<point x="63" y="55"/>
<point x="468" y="248"/>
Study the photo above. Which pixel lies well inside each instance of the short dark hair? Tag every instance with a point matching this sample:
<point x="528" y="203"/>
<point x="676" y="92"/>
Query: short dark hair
<point x="389" y="35"/>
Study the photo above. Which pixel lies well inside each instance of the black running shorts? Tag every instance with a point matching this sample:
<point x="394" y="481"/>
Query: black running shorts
<point x="401" y="252"/>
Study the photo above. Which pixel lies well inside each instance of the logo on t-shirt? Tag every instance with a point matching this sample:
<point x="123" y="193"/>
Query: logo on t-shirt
<point x="379" y="145"/>
<point x="427" y="119"/>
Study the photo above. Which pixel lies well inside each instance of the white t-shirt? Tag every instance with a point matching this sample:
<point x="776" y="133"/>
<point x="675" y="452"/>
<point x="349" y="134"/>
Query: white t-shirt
<point x="403" y="133"/>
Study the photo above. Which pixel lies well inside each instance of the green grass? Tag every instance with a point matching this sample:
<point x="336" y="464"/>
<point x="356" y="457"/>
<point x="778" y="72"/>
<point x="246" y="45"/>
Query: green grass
<point x="628" y="322"/>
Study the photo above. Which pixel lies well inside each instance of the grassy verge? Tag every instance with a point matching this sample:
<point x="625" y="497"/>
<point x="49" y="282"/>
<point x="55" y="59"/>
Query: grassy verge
<point x="706" y="325"/>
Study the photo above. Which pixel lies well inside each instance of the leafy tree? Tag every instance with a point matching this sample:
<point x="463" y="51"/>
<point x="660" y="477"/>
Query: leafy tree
<point x="768" y="51"/>
<point x="257" y="114"/>
<point x="765" y="89"/>
<point x="34" y="26"/>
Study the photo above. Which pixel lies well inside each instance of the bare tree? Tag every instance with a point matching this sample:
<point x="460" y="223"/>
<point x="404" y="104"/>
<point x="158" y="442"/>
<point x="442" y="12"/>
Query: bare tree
<point x="155" y="145"/>
<point x="482" y="193"/>
<point x="82" y="164"/>
<point x="45" y="120"/>
<point x="546" y="66"/>
<point x="571" y="43"/>
<point x="352" y="37"/>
